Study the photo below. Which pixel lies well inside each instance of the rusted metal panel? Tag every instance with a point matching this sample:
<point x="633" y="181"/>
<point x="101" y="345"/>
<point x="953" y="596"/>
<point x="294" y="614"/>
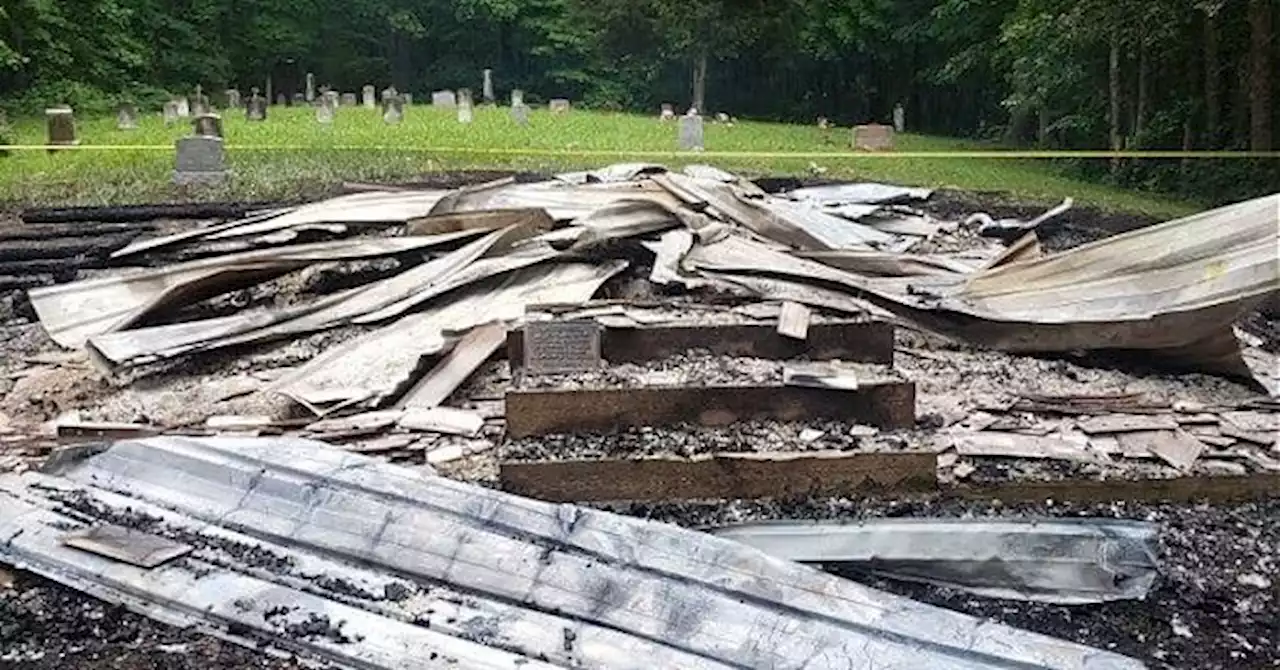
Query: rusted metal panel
<point x="722" y="476"/>
<point x="882" y="404"/>
<point x="859" y="341"/>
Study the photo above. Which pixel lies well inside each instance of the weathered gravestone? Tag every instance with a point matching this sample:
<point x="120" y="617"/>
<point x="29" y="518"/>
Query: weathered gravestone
<point x="310" y="94"/>
<point x="325" y="109"/>
<point x="465" y="109"/>
<point x="233" y="98"/>
<point x="408" y="99"/>
<point x="691" y="127"/>
<point x="393" y="109"/>
<point x="199" y="102"/>
<point x="282" y="100"/>
<point x="256" y="109"/>
<point x="184" y="107"/>
<point x="332" y="99"/>
<point x="486" y="90"/>
<point x="559" y="106"/>
<point x="520" y="114"/>
<point x="447" y="99"/>
<point x="899" y="119"/>
<point x="299" y="99"/>
<point x="207" y="125"/>
<point x="389" y="93"/>
<point x="170" y="112"/>
<point x="873" y="137"/>
<point x="367" y="96"/>
<point x="517" y="97"/>
<point x="61" y="126"/>
<point x="349" y="100"/>
<point x="200" y="162"/>
<point x="552" y="347"/>
<point x="126" y="117"/>
<point x="667" y="113"/>
<point x="724" y="118"/>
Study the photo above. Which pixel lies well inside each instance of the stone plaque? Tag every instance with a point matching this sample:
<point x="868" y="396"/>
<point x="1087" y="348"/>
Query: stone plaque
<point x="367" y="96"/>
<point x="127" y="117"/>
<point x="199" y="161"/>
<point x="349" y="100"/>
<point x="561" y="346"/>
<point x="444" y="99"/>
<point x="560" y="106"/>
<point x="873" y="137"/>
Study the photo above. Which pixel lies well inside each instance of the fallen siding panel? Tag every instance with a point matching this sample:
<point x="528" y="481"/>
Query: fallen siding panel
<point x="721" y="477"/>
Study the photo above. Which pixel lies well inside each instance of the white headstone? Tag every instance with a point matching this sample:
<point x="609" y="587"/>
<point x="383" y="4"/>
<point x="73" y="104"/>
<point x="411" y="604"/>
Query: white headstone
<point x="487" y="90"/>
<point x="170" y="112"/>
<point x="444" y="99"/>
<point x="349" y="100"/>
<point x="520" y="114"/>
<point x="668" y="112"/>
<point x="517" y="97"/>
<point x="368" y="93"/>
<point x="233" y="98"/>
<point x="465" y="108"/>
<point x="899" y="118"/>
<point x="256" y="107"/>
<point x="184" y="107"/>
<point x="559" y="106"/>
<point x="127" y="117"/>
<point x="199" y="161"/>
<point x="393" y="110"/>
<point x="691" y="133"/>
<point x="325" y="110"/>
<point x="310" y="95"/>
<point x="408" y="99"/>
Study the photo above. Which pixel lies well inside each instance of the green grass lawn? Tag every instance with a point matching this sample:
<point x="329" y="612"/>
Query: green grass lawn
<point x="291" y="154"/>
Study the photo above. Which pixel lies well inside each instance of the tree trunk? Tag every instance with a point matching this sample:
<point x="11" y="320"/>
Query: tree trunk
<point x="1114" y="85"/>
<point x="700" y="82"/>
<point x="1212" y="83"/>
<point x="1144" y="92"/>
<point x="1259" y="75"/>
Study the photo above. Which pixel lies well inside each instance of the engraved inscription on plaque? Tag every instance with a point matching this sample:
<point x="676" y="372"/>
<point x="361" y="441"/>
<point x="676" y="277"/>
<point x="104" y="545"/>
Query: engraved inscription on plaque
<point x="561" y="346"/>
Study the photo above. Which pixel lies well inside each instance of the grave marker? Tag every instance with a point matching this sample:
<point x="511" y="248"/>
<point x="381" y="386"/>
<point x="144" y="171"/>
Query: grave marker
<point x="199" y="102"/>
<point x="326" y="106"/>
<point x="562" y="346"/>
<point x="559" y="106"/>
<point x="282" y="100"/>
<point x="233" y="98"/>
<point x="207" y="125"/>
<point x="310" y="94"/>
<point x="486" y="90"/>
<point x="899" y="118"/>
<point x="256" y="109"/>
<point x="393" y="109"/>
<point x="170" y="112"/>
<point x="873" y="137"/>
<point x="517" y="97"/>
<point x="520" y="114"/>
<point x="349" y="100"/>
<point x="199" y="162"/>
<point x="408" y="99"/>
<point x="691" y="128"/>
<point x="444" y="99"/>
<point x="184" y="107"/>
<point x="126" y="117"/>
<point x="465" y="109"/>
<point x="61" y="122"/>
<point x="668" y="112"/>
<point x="389" y="93"/>
<point x="368" y="96"/>
<point x="299" y="99"/>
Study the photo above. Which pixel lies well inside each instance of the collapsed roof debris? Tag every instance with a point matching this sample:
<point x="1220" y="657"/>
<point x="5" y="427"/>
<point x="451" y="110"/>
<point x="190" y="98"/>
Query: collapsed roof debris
<point x="289" y="531"/>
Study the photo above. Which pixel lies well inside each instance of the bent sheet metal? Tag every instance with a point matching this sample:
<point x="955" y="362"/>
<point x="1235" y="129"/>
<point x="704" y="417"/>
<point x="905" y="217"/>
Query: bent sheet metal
<point x="429" y="567"/>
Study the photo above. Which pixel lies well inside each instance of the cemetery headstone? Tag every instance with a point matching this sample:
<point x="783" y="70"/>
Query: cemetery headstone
<point x="310" y="94"/>
<point x="517" y="97"/>
<point x="899" y="119"/>
<point x="200" y="161"/>
<point x="486" y="91"/>
<point x="520" y="114"/>
<point x="332" y="98"/>
<point x="199" y="102"/>
<point x="466" y="111"/>
<point x="349" y="100"/>
<point x="667" y="113"/>
<point x="325" y="109"/>
<point x="552" y="347"/>
<point x="127" y="117"/>
<point x="207" y="125"/>
<point x="722" y="117"/>
<point x="61" y="122"/>
<point x="389" y="93"/>
<point x="393" y="109"/>
<point x="559" y="106"/>
<point x="170" y="112"/>
<point x="447" y="99"/>
<point x="256" y="109"/>
<point x="184" y="107"/>
<point x="233" y="98"/>
<point x="691" y="133"/>
<point x="282" y="100"/>
<point x="408" y="99"/>
<point x="873" y="137"/>
<point x="299" y="99"/>
<point x="368" y="98"/>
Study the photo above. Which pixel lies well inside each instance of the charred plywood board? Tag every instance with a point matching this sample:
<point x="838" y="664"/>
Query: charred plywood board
<point x="860" y="341"/>
<point x="882" y="404"/>
<point x="722" y="476"/>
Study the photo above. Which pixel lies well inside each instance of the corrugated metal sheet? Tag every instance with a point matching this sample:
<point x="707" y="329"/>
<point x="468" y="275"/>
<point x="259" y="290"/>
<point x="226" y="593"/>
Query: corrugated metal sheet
<point x="375" y="566"/>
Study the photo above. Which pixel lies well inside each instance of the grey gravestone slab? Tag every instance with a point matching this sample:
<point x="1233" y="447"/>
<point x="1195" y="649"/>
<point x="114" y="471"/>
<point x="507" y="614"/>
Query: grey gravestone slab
<point x="170" y="112"/>
<point x="299" y="99"/>
<point x="520" y="114"/>
<point x="559" y="106"/>
<point x="61" y="122"/>
<point x="561" y="346"/>
<point x="233" y="98"/>
<point x="691" y="133"/>
<point x="389" y="93"/>
<point x="349" y="100"/>
<point x="331" y="98"/>
<point x="281" y="100"/>
<point x="444" y="99"/>
<point x="200" y="161"/>
<point x="486" y="90"/>
<point x="325" y="111"/>
<point x="310" y="94"/>
<point x="367" y="96"/>
<point x="408" y="99"/>
<point x="393" y="110"/>
<point x="127" y="117"/>
<point x="899" y="119"/>
<point x="517" y="97"/>
<point x="466" y="112"/>
<point x="184" y="107"/>
<point x="256" y="109"/>
<point x="199" y="102"/>
<point x="873" y="137"/>
<point x="668" y="112"/>
<point x="207" y="125"/>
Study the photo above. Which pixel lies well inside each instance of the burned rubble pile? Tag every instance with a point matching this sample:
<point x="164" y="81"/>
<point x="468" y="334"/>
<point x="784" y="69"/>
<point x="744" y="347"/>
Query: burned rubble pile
<point x="342" y="386"/>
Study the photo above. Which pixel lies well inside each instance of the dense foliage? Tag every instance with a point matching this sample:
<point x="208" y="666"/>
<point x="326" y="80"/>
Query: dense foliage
<point x="1088" y="74"/>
